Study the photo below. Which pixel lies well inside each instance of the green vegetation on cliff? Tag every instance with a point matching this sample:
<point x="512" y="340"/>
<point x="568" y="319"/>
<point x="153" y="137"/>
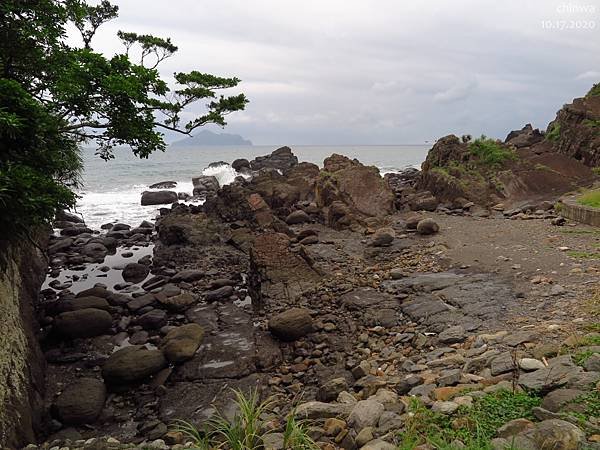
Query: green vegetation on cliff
<point x="554" y="133"/>
<point x="594" y="91"/>
<point x="55" y="96"/>
<point x="490" y="152"/>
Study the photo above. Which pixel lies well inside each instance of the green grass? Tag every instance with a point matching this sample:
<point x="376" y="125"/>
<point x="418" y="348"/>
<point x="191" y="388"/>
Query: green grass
<point x="590" y="198"/>
<point x="554" y="133"/>
<point x="477" y="425"/>
<point x="491" y="152"/>
<point x="248" y="429"/>
<point x="581" y="358"/>
<point x="592" y="123"/>
<point x="596" y="170"/>
<point x="594" y="91"/>
<point x="583" y="255"/>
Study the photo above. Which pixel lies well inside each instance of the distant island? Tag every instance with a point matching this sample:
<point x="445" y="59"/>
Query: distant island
<point x="206" y="137"/>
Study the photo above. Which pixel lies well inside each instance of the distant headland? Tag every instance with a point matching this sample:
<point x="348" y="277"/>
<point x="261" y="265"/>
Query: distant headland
<point x="206" y="137"/>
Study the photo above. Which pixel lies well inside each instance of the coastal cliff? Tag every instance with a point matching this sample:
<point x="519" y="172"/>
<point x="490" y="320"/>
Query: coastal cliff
<point x="22" y="272"/>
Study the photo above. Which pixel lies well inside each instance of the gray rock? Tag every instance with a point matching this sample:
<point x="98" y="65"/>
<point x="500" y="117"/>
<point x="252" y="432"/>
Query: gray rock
<point x="164" y="185"/>
<point x="81" y="401"/>
<point x="557" y="374"/>
<point x="427" y="226"/>
<point x="153" y="320"/>
<point x="530" y="364"/>
<point x="219" y="294"/>
<point x="556" y="434"/>
<point x="297" y="217"/>
<point x="141" y="302"/>
<point x="378" y="444"/>
<point x="205" y="185"/>
<point x="181" y="343"/>
<point x="366" y="413"/>
<point x="321" y="410"/>
<point x="135" y="272"/>
<point x="158" y="198"/>
<point x="132" y="364"/>
<point x="444" y="407"/>
<point x="95" y="250"/>
<point x="556" y="400"/>
<point x="382" y="238"/>
<point x="83" y="323"/>
<point x="593" y="363"/>
<point x="330" y="390"/>
<point x="291" y="324"/>
<point x="503" y="363"/>
<point x="452" y="335"/>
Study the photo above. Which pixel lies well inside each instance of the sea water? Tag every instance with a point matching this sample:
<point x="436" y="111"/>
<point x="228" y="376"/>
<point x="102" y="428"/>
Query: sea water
<point x="112" y="189"/>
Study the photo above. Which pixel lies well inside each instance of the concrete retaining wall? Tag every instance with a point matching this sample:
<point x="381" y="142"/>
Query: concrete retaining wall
<point x="580" y="213"/>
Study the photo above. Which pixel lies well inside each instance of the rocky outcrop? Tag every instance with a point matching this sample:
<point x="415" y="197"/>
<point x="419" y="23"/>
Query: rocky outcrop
<point x="281" y="159"/>
<point x="359" y="187"/>
<point x="22" y="271"/>
<point x="525" y="137"/>
<point x="457" y="172"/>
<point x="205" y="185"/>
<point x="576" y="130"/>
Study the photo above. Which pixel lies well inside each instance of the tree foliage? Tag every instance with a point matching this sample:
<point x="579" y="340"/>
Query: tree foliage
<point x="55" y="96"/>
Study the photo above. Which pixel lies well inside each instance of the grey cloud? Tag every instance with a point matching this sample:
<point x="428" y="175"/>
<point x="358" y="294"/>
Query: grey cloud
<point x="377" y="71"/>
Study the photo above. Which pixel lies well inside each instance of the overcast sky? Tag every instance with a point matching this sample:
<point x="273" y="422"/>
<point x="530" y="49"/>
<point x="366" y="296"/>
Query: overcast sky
<point x="379" y="71"/>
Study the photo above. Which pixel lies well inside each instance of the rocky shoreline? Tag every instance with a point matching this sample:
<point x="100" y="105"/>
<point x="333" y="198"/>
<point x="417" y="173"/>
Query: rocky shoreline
<point x="366" y="305"/>
<point x="300" y="280"/>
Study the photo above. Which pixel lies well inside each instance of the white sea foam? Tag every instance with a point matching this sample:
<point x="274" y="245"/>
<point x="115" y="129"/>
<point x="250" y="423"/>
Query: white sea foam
<point x="224" y="173"/>
<point x="123" y="204"/>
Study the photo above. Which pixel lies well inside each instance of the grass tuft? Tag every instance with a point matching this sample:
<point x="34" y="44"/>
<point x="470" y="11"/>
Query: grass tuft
<point x="248" y="429"/>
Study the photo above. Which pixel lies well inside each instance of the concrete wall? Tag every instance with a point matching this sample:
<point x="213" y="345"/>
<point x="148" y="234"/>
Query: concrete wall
<point x="22" y="271"/>
<point x="579" y="213"/>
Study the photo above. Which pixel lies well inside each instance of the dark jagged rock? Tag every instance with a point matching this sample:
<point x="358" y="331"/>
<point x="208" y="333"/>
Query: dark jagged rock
<point x="281" y="159"/>
<point x="205" y="185"/>
<point x="575" y="133"/>
<point x="240" y="164"/>
<point x="525" y="137"/>
<point x="164" y="185"/>
<point x="359" y="187"/>
<point x="158" y="198"/>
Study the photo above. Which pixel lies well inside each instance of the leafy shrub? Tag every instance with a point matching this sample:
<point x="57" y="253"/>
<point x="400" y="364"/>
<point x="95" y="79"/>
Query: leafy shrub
<point x="478" y="424"/>
<point x="490" y="152"/>
<point x="554" y="134"/>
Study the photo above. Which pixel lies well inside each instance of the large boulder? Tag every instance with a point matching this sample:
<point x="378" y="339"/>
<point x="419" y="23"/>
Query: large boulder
<point x="135" y="272"/>
<point x="281" y="159"/>
<point x="240" y="164"/>
<point x="83" y="323"/>
<point x="132" y="364"/>
<point x="81" y="401"/>
<point x="291" y="324"/>
<point x="158" y="198"/>
<point x="95" y="251"/>
<point x="181" y="343"/>
<point x="359" y="187"/>
<point x="205" y="185"/>
<point x="556" y="434"/>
